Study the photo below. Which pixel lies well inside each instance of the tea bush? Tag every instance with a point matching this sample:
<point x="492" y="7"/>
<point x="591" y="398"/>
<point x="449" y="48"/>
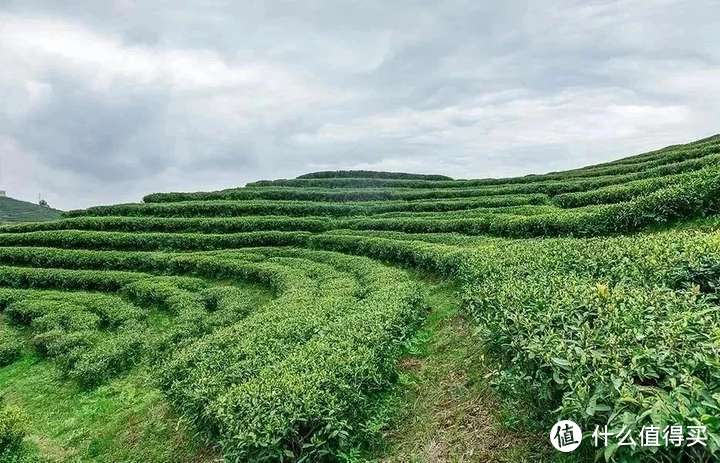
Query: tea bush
<point x="10" y="347"/>
<point x="614" y="331"/>
<point x="12" y="430"/>
<point x="220" y="208"/>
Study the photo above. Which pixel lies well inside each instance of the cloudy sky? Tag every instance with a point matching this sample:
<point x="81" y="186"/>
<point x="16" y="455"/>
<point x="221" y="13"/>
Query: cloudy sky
<point x="103" y="102"/>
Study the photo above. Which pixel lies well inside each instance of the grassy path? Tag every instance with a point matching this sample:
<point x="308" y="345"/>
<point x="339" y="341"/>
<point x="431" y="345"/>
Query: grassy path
<point x="446" y="410"/>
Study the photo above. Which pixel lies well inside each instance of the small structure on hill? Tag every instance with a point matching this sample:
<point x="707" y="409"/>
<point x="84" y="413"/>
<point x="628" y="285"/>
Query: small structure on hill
<point x="42" y="202"/>
<point x="2" y="193"/>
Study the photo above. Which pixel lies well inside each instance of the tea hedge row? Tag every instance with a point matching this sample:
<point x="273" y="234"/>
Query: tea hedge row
<point x="302" y="208"/>
<point x="328" y="194"/>
<point x="465" y="213"/>
<point x="371" y="174"/>
<point x="619" y="193"/>
<point x="91" y="280"/>
<point x="441" y="259"/>
<point x="151" y="241"/>
<point x="204" y="225"/>
<point x="245" y="266"/>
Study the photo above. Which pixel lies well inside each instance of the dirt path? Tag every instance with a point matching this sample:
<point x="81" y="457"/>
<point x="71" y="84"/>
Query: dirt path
<point x="448" y="412"/>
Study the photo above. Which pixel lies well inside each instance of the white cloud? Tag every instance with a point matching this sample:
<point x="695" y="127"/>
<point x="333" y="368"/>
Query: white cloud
<point x="107" y="105"/>
<point x="570" y="116"/>
<point x="43" y="45"/>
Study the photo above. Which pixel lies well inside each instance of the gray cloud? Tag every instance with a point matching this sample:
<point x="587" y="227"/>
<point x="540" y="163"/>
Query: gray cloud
<point x="107" y="101"/>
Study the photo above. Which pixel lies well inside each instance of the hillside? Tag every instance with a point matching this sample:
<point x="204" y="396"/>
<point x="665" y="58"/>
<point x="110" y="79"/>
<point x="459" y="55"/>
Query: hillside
<point x="274" y="320"/>
<point x="13" y="210"/>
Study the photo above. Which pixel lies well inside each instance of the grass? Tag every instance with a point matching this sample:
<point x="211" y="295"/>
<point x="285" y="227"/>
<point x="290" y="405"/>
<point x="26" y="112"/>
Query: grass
<point x="443" y="409"/>
<point x="125" y="420"/>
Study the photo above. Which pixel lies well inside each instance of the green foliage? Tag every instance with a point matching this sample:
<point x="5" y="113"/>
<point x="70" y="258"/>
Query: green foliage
<point x="303" y="208"/>
<point x="371" y="174"/>
<point x="10" y="346"/>
<point x="619" y="193"/>
<point x="612" y="331"/>
<point x="71" y="328"/>
<point x="178" y="225"/>
<point x="13" y="424"/>
<point x="149" y="241"/>
<point x="294" y="349"/>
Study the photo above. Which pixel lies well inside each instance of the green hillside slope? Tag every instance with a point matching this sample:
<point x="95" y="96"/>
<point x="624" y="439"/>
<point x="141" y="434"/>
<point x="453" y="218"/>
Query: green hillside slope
<point x="270" y="320"/>
<point x="13" y="210"/>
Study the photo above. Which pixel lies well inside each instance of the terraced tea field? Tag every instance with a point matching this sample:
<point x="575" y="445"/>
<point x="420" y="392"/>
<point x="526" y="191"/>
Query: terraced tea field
<point x="266" y="323"/>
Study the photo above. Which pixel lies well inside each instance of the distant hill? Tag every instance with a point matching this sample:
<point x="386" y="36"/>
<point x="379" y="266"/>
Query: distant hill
<point x="14" y="210"/>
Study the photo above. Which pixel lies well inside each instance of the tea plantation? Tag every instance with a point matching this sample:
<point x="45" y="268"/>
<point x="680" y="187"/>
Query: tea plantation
<point x="266" y="323"/>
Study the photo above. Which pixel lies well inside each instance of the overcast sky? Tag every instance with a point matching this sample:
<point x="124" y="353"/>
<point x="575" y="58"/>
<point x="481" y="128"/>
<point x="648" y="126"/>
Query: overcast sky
<point x="103" y="102"/>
